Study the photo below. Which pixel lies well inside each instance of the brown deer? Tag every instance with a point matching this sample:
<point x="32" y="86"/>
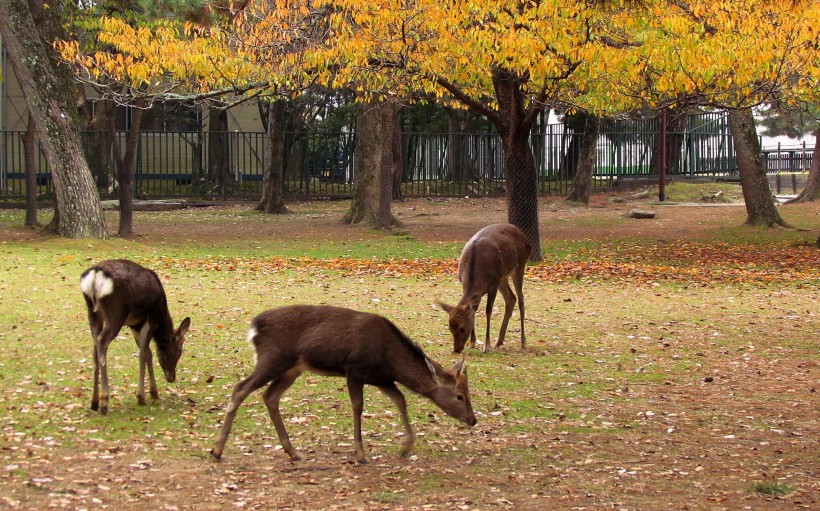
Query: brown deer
<point x="119" y="293"/>
<point x="364" y="348"/>
<point x="493" y="255"/>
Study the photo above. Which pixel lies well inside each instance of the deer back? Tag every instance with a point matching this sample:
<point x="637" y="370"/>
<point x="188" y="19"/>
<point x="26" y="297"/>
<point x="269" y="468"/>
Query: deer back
<point x="491" y="255"/>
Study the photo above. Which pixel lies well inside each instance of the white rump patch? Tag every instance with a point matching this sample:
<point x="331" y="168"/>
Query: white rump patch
<point x="87" y="284"/>
<point x="251" y="336"/>
<point x="96" y="285"/>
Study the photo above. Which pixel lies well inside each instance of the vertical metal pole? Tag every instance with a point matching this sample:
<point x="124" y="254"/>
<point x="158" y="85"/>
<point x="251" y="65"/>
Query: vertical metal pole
<point x="662" y="158"/>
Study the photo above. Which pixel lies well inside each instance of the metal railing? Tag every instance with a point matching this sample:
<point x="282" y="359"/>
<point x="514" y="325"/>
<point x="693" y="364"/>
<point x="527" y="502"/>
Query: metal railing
<point x="230" y="164"/>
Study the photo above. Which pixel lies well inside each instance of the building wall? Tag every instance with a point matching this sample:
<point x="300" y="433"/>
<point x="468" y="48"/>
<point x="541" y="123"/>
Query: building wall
<point x="14" y="113"/>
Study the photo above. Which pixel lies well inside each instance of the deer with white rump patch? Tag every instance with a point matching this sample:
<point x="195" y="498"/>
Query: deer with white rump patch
<point x="122" y="293"/>
<point x="493" y="255"/>
<point x="364" y="348"/>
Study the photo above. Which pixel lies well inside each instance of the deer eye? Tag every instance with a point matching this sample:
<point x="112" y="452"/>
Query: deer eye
<point x="460" y="397"/>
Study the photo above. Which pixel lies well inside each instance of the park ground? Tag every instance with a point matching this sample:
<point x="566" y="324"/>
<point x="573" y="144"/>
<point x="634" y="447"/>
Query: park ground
<point x="672" y="363"/>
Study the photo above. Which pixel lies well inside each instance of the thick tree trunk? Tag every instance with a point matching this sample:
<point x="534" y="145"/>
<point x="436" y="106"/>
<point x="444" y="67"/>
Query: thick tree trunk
<point x="760" y="207"/>
<point x="219" y="172"/>
<point x="582" y="182"/>
<point x="125" y="173"/>
<point x="514" y="124"/>
<point x="372" y="185"/>
<point x="51" y="96"/>
<point x="812" y="190"/>
<point x="273" y="201"/>
<point x="522" y="188"/>
<point x="29" y="151"/>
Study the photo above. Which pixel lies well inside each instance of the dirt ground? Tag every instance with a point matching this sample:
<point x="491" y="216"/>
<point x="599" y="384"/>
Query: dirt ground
<point x="449" y="220"/>
<point x="652" y="461"/>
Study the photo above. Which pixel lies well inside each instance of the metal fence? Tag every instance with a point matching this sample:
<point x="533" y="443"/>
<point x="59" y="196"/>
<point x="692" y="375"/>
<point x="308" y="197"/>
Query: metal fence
<point x="230" y="164"/>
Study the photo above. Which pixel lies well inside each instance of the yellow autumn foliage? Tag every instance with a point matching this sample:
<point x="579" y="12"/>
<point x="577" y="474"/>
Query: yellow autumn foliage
<point x="605" y="57"/>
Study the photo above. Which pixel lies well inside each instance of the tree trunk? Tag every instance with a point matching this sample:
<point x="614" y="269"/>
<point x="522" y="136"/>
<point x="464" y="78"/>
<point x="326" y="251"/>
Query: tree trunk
<point x="588" y="157"/>
<point x="51" y="96"/>
<point x="29" y="151"/>
<point x="125" y="172"/>
<point x="100" y="143"/>
<point x="273" y="201"/>
<point x="372" y="185"/>
<point x="760" y="207"/>
<point x="522" y="188"/>
<point x="219" y="172"/>
<point x="574" y="125"/>
<point x="396" y="155"/>
<point x="514" y="124"/>
<point x="812" y="190"/>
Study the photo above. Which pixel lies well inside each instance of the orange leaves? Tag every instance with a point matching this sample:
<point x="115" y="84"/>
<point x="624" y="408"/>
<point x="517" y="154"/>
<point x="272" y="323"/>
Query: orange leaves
<point x="701" y="264"/>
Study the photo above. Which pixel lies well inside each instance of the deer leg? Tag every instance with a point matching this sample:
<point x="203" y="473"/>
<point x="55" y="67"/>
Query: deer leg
<point x="518" y="282"/>
<point x="101" y="350"/>
<point x="95" y="394"/>
<point x="356" y="390"/>
<point x="490" y="302"/>
<point x="242" y="390"/>
<point x="95" y="322"/>
<point x="397" y="398"/>
<point x="272" y="396"/>
<point x="143" y="339"/>
<point x="509" y="305"/>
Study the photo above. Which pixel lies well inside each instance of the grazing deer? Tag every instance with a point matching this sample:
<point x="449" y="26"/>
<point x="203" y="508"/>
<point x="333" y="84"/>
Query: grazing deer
<point x="492" y="255"/>
<point x="121" y="292"/>
<point x="364" y="348"/>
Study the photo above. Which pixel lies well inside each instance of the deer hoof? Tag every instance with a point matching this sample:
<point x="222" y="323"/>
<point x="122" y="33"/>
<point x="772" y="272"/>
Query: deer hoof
<point x="104" y="409"/>
<point x="216" y="456"/>
<point x="141" y="399"/>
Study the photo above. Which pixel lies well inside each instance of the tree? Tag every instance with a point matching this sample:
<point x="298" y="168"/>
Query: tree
<point x="29" y="150"/>
<point x="760" y="208"/>
<point x="796" y="122"/>
<point x="734" y="55"/>
<point x="373" y="187"/>
<point x="274" y="160"/>
<point x="506" y="61"/>
<point x="28" y="29"/>
<point x="588" y="153"/>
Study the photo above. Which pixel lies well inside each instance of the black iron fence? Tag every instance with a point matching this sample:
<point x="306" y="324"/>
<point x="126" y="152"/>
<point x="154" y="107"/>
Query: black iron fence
<point x="230" y="164"/>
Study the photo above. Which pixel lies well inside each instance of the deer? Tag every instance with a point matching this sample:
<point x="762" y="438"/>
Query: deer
<point x="121" y="293"/>
<point x="488" y="260"/>
<point x="363" y="348"/>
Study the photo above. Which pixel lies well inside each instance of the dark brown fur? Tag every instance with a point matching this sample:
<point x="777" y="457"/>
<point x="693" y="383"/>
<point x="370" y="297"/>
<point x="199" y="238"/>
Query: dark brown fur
<point x="136" y="299"/>
<point x="364" y="348"/>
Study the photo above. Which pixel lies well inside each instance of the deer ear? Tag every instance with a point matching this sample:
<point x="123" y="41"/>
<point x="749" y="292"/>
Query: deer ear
<point x="461" y="367"/>
<point x="446" y="308"/>
<point x="184" y="326"/>
<point x="432" y="369"/>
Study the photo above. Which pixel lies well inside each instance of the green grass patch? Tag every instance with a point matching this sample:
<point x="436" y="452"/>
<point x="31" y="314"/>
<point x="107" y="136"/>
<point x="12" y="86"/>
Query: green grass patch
<point x="774" y="488"/>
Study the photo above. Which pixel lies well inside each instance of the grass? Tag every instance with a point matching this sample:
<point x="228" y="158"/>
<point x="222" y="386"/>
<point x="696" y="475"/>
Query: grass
<point x="774" y="488"/>
<point x="613" y="379"/>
